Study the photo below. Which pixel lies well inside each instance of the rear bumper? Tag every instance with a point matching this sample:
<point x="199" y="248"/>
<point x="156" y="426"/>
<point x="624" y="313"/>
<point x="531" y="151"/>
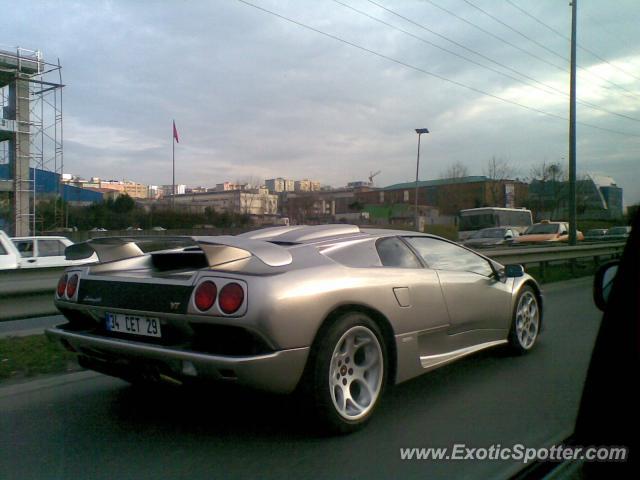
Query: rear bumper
<point x="277" y="372"/>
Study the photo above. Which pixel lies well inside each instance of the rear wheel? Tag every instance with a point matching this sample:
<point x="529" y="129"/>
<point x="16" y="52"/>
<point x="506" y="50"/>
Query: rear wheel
<point x="525" y="325"/>
<point x="347" y="373"/>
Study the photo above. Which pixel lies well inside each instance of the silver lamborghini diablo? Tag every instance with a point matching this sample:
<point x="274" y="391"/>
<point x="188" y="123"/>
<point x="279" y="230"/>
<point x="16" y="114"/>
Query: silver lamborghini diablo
<point x="335" y="312"/>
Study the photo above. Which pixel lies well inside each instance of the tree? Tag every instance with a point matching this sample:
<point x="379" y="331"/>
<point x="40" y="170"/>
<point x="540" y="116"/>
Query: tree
<point x="548" y="190"/>
<point x="457" y="170"/>
<point x="123" y="204"/>
<point x="497" y="170"/>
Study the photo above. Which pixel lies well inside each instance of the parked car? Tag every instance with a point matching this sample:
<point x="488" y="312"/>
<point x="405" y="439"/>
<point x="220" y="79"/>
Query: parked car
<point x="339" y="311"/>
<point x="546" y="232"/>
<point x="134" y="229"/>
<point x="158" y="229"/>
<point x="32" y="252"/>
<point x="618" y="233"/>
<point x="491" y="237"/>
<point x="595" y="234"/>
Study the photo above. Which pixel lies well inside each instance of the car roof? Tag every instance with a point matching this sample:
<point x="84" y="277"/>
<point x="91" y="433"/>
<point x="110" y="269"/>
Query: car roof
<point x="40" y="237"/>
<point x="306" y="234"/>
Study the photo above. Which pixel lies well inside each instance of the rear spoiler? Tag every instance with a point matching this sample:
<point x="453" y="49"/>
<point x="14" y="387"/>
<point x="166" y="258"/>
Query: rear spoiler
<point x="217" y="249"/>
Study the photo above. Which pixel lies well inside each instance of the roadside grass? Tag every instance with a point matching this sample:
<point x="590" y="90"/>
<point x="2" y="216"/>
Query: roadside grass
<point x="25" y="357"/>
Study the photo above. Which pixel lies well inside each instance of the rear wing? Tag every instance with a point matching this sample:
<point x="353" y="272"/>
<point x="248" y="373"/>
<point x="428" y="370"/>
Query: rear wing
<point x="217" y="249"/>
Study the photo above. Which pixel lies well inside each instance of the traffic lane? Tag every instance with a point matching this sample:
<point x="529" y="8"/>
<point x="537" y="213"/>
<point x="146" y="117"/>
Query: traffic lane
<point x="29" y="326"/>
<point x="102" y="428"/>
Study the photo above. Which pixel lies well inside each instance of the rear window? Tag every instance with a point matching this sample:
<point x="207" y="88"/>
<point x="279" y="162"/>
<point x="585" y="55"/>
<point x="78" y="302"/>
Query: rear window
<point x="394" y="253"/>
<point x="543" y="228"/>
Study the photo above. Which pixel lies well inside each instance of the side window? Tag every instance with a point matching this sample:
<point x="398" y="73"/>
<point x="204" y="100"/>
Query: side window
<point x="50" y="248"/>
<point x="441" y="255"/>
<point x="25" y="247"/>
<point x="2" y="250"/>
<point x="394" y="253"/>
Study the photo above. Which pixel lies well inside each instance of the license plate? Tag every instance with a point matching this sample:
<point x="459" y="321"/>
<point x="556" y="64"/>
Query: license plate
<point x="133" y="324"/>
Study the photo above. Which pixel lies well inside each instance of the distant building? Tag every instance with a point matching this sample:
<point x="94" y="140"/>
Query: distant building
<point x="154" y="192"/>
<point x="167" y="190"/>
<point x="197" y="190"/>
<point x="257" y="202"/>
<point x="306" y="185"/>
<point x="48" y="185"/>
<point x="230" y="186"/>
<point x="450" y="195"/>
<point x="133" y="189"/>
<point x="597" y="197"/>
<point x="359" y="184"/>
<point x="278" y="185"/>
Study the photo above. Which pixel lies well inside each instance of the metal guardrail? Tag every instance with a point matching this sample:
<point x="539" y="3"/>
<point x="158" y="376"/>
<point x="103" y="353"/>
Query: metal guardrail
<point x="29" y="292"/>
<point x="536" y="254"/>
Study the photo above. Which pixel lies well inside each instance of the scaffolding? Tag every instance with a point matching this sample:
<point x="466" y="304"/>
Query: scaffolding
<point x="31" y="137"/>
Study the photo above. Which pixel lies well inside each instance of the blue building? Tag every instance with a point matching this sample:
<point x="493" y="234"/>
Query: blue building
<point x="47" y="184"/>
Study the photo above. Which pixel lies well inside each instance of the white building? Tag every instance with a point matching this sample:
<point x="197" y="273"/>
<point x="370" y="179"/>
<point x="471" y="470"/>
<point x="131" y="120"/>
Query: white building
<point x="230" y="186"/>
<point x="278" y="185"/>
<point x="167" y="190"/>
<point x="256" y="203"/>
<point x="307" y="185"/>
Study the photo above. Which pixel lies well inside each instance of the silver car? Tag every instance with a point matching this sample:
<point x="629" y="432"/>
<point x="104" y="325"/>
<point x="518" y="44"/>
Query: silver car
<point x="491" y="237"/>
<point x="334" y="312"/>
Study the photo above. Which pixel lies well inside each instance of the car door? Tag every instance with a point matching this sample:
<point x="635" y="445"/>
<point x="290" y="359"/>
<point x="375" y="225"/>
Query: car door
<point x="416" y="288"/>
<point x="476" y="299"/>
<point x="26" y="247"/>
<point x="50" y="252"/>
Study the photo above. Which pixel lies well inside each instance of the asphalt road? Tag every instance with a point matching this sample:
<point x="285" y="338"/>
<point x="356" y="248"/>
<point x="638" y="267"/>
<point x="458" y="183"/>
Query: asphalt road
<point x="101" y="428"/>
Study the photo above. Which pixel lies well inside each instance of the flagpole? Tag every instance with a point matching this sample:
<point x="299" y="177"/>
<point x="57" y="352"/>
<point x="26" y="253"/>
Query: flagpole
<point x="173" y="156"/>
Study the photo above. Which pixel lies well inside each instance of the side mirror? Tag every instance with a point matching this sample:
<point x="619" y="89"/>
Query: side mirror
<point x="513" y="271"/>
<point x="602" y="283"/>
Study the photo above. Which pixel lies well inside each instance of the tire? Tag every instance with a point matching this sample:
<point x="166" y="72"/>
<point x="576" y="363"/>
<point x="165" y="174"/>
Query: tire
<point x="347" y="373"/>
<point x="525" y="323"/>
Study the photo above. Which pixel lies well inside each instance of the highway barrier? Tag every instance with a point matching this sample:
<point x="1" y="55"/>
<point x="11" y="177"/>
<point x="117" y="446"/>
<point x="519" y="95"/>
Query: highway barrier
<point x="29" y="292"/>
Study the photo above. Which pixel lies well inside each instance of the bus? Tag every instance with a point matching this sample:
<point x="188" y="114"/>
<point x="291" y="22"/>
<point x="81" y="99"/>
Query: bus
<point x="473" y="219"/>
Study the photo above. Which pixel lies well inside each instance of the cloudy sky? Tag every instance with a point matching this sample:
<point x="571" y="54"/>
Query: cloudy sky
<point x="255" y="96"/>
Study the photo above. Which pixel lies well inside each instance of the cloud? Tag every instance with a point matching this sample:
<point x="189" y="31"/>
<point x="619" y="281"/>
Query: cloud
<point x="254" y="95"/>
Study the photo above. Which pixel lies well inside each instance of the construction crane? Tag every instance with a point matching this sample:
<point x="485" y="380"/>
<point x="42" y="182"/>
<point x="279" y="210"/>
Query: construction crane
<point x="373" y="174"/>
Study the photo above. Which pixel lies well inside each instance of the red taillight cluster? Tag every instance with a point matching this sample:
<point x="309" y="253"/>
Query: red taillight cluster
<point x="72" y="286"/>
<point x="62" y="285"/>
<point x="230" y="299"/>
<point x="67" y="284"/>
<point x="206" y="295"/>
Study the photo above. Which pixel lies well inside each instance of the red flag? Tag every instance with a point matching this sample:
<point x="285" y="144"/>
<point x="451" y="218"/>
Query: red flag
<point x="175" y="132"/>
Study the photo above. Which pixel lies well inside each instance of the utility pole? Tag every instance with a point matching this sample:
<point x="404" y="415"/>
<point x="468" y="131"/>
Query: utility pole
<point x="573" y="216"/>
<point x="416" y="215"/>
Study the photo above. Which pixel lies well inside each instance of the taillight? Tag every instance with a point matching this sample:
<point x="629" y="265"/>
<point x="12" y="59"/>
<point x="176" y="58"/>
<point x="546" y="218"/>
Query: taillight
<point x="205" y="295"/>
<point x="62" y="285"/>
<point x="231" y="298"/>
<point x="72" y="286"/>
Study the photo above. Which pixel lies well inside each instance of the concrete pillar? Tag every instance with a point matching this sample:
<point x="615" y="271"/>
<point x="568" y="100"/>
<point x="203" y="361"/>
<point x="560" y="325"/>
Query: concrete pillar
<point x="19" y="157"/>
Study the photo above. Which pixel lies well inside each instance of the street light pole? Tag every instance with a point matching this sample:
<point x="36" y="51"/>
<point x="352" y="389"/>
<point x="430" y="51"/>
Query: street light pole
<point x="419" y="131"/>
<point x="573" y="217"/>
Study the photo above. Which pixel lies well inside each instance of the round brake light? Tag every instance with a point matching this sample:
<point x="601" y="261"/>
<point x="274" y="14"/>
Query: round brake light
<point x="205" y="295"/>
<point x="62" y="285"/>
<point x="72" y="285"/>
<point x="231" y="298"/>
